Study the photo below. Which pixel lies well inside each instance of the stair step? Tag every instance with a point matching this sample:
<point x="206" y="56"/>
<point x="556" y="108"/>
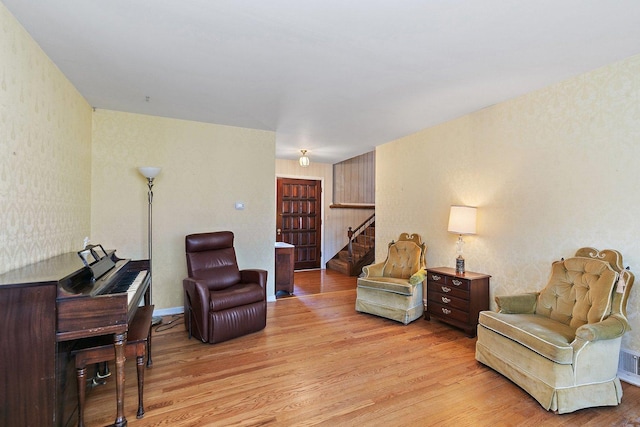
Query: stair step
<point x="338" y="265"/>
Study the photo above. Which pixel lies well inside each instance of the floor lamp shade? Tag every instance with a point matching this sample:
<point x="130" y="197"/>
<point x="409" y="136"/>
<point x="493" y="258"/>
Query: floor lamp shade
<point x="149" y="172"/>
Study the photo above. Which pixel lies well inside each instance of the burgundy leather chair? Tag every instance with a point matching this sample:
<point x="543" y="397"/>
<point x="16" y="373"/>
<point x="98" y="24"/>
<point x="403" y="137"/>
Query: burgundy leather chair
<point x="220" y="300"/>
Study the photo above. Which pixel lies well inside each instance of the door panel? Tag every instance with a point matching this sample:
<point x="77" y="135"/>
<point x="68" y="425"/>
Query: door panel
<point x="298" y="219"/>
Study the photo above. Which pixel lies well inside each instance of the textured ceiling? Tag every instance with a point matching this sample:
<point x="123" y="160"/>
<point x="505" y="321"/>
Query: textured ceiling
<point x="335" y="77"/>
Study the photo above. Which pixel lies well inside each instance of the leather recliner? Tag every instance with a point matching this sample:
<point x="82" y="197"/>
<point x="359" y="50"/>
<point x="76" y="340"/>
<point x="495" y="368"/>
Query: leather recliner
<point x="221" y="301"/>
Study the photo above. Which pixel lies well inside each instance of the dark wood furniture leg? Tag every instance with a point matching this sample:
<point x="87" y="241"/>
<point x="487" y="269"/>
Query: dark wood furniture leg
<point x="99" y="350"/>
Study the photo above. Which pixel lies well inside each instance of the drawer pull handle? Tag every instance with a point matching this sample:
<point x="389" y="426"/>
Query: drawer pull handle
<point x="446" y="311"/>
<point x="446" y="300"/>
<point x="457" y="282"/>
<point x="445" y="289"/>
<point x="435" y="277"/>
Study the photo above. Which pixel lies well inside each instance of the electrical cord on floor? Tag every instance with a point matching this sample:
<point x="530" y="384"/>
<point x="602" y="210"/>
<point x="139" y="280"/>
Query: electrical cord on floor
<point x="164" y="326"/>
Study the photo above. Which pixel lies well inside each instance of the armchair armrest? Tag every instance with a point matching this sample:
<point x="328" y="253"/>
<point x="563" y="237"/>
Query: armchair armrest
<point x="373" y="270"/>
<point x="517" y="304"/>
<point x="418" y="276"/>
<point x="613" y="326"/>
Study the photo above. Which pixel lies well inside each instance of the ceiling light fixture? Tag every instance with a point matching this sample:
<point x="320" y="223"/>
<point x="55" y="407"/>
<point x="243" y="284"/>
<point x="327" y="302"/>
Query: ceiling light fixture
<point x="304" y="159"/>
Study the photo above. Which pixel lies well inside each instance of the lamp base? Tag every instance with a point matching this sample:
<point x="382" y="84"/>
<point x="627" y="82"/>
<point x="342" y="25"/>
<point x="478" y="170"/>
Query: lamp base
<point x="459" y="265"/>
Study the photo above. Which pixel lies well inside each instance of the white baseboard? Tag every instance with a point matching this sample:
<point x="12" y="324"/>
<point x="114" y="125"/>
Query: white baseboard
<point x="168" y="311"/>
<point x="180" y="310"/>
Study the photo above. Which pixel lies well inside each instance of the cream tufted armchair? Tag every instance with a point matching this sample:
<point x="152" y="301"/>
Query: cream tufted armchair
<point x="394" y="288"/>
<point x="561" y="345"/>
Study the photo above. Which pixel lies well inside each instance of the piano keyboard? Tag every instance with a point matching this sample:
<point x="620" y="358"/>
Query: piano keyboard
<point x="131" y="292"/>
<point x="129" y="283"/>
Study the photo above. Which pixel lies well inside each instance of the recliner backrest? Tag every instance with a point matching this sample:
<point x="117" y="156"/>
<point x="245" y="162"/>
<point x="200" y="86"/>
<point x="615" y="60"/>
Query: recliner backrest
<point x="211" y="258"/>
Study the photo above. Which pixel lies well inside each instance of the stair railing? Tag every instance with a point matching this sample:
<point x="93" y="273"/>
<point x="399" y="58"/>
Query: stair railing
<point x="363" y="234"/>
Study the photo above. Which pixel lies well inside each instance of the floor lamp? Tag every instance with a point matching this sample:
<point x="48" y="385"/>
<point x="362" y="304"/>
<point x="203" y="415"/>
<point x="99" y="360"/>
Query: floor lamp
<point x="150" y="173"/>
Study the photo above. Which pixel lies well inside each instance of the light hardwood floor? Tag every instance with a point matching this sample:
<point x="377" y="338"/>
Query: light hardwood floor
<point x="318" y="362"/>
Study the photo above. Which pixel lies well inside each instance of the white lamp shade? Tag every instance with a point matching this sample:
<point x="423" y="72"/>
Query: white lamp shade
<point x="149" y="172"/>
<point x="462" y="220"/>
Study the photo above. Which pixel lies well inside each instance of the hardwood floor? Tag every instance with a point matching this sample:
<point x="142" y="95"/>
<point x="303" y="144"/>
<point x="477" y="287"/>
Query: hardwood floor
<point x="319" y="362"/>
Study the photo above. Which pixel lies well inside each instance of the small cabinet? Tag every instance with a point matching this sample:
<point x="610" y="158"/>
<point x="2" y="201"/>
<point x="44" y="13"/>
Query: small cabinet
<point x="284" y="267"/>
<point x="456" y="299"/>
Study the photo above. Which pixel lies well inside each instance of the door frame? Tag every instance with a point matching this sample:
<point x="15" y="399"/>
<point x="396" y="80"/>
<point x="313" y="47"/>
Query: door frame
<point x="315" y="178"/>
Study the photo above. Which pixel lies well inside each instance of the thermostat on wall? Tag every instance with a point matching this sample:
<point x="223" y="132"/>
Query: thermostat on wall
<point x="239" y="206"/>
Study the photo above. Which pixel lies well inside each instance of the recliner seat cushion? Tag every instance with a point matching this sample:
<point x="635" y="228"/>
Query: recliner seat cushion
<point x="235" y="296"/>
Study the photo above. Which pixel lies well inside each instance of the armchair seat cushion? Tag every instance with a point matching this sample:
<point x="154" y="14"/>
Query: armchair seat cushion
<point x="236" y="295"/>
<point x="548" y="338"/>
<point x="389" y="284"/>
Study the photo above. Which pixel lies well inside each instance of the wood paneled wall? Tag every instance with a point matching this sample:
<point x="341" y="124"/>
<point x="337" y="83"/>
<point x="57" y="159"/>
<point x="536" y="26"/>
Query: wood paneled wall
<point x="354" y="180"/>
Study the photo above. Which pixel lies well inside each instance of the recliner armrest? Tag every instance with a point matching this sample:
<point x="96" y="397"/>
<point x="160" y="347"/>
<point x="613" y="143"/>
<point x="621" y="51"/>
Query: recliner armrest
<point x="197" y="295"/>
<point x="613" y="326"/>
<point x="254" y="276"/>
<point x="517" y="304"/>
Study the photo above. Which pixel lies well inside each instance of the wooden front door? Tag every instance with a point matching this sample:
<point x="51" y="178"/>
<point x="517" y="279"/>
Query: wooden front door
<point x="298" y="219"/>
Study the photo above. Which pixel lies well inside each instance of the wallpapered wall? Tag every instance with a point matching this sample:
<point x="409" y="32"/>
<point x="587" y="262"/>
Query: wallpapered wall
<point x="45" y="154"/>
<point x="550" y="172"/>
<point x="206" y="168"/>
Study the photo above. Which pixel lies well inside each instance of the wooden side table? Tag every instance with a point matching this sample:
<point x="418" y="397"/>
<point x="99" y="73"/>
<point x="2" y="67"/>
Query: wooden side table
<point x="456" y="299"/>
<point x="284" y="267"/>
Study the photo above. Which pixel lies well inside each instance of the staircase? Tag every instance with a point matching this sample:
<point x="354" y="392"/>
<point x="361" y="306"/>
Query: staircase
<point x="360" y="250"/>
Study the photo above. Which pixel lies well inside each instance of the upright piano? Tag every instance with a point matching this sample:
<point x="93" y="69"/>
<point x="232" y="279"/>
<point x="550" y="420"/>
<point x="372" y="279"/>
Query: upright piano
<point x="45" y="309"/>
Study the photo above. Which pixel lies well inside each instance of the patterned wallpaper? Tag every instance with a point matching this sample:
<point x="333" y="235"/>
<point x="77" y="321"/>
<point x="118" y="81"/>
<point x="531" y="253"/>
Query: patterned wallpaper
<point x="551" y="171"/>
<point x="206" y="168"/>
<point x="45" y="154"/>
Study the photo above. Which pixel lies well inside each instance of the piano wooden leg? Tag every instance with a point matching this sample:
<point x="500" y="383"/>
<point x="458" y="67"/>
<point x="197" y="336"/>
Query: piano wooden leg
<point x="149" y="361"/>
<point x="140" y="368"/>
<point x="118" y="344"/>
<point x="81" y="375"/>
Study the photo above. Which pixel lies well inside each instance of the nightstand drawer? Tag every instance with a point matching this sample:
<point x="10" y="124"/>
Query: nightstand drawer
<point x="456" y="282"/>
<point x="448" y="301"/>
<point x="447" y="290"/>
<point x="437" y="278"/>
<point x="445" y="312"/>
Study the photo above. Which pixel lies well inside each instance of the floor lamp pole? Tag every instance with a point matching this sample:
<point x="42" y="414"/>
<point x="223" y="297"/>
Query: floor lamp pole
<point x="150" y="173"/>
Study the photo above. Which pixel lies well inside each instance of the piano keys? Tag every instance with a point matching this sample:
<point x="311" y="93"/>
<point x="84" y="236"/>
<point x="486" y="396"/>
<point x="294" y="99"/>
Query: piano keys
<point x="44" y="308"/>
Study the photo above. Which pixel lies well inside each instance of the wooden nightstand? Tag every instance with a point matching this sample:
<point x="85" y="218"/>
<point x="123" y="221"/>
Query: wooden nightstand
<point x="456" y="299"/>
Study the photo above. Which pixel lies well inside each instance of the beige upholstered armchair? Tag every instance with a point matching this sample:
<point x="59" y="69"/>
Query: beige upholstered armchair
<point x="394" y="288"/>
<point x="561" y="345"/>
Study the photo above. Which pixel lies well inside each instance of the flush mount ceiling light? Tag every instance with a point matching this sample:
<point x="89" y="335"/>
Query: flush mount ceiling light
<point x="304" y="159"/>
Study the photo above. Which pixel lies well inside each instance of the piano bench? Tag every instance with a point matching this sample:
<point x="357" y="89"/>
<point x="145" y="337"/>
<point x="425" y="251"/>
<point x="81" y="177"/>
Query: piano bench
<point x="100" y="349"/>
